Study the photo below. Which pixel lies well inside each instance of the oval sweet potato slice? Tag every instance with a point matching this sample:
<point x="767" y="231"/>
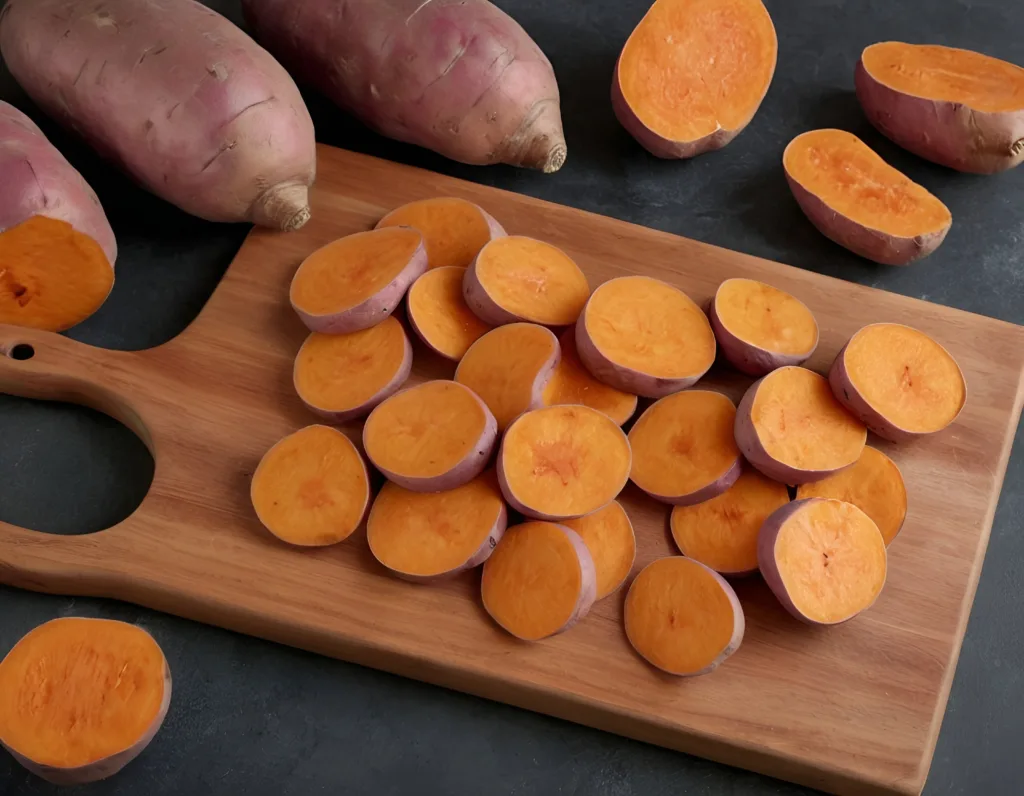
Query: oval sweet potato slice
<point x="571" y="383"/>
<point x="608" y="534"/>
<point x="439" y="315"/>
<point x="453" y="229"/>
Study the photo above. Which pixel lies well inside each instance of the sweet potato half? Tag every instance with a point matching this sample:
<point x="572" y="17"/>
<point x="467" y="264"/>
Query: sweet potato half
<point x="571" y="383"/>
<point x="453" y="229"/>
<point x="439" y="315"/>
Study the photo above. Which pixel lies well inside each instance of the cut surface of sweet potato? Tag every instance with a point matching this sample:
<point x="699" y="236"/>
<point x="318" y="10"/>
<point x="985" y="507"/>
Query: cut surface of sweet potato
<point x="571" y="383"/>
<point x="608" y="534"/>
<point x="439" y="314"/>
<point x="453" y="229"/>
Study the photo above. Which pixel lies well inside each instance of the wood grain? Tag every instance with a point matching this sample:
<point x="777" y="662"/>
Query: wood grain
<point x="853" y="709"/>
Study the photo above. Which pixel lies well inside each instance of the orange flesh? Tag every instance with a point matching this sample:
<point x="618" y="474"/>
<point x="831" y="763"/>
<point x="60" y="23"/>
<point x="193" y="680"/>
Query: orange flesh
<point x="678" y="616"/>
<point x="684" y="442"/>
<point x="609" y="537"/>
<point x="766" y="317"/>
<point x="347" y="272"/>
<point x="874" y="485"/>
<point x="849" y="177"/>
<point x="440" y="313"/>
<point x="692" y="67"/>
<point x="426" y="430"/>
<point x="502" y="368"/>
<point x="571" y="383"/>
<point x="948" y="74"/>
<point x="906" y="377"/>
<point x="801" y="424"/>
<point x="454" y="230"/>
<point x="565" y="460"/>
<point x="430" y="533"/>
<point x="51" y="276"/>
<point x="311" y="488"/>
<point x="532" y="581"/>
<point x="831" y="558"/>
<point x="77" y="691"/>
<point x="722" y="532"/>
<point x="532" y="280"/>
<point x="649" y="326"/>
<point x="339" y="372"/>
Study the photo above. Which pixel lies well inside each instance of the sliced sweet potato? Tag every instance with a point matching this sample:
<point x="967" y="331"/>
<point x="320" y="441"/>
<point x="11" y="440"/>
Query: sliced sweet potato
<point x="791" y="428"/>
<point x="898" y="381"/>
<point x="684" y="448"/>
<point x="571" y="383"/>
<point x="862" y="203"/>
<point x="609" y="537"/>
<point x="453" y="229"/>
<point x="562" y="462"/>
<point x="436" y="436"/>
<point x="643" y="336"/>
<point x="439" y="315"/>
<point x="357" y="281"/>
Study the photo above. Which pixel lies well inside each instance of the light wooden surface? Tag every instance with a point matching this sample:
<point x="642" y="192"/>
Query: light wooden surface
<point x="853" y="709"/>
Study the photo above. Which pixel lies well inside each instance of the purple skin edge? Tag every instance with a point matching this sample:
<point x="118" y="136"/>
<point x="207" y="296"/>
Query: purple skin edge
<point x="747" y="357"/>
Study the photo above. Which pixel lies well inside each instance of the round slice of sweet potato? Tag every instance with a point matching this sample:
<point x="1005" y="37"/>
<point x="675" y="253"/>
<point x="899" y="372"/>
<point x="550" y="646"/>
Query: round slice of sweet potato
<point x="453" y="229"/>
<point x="608" y="534"/>
<point x="439" y="315"/>
<point x="571" y="383"/>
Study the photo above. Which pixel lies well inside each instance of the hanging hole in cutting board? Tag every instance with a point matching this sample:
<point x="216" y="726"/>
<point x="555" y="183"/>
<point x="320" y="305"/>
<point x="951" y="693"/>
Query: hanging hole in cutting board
<point x="21" y="352"/>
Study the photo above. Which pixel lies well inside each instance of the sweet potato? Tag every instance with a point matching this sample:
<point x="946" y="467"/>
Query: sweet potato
<point x="453" y="229"/>
<point x="357" y="281"/>
<point x="958" y="108"/>
<point x="693" y="73"/>
<point x="539" y="581"/>
<point x="898" y="381"/>
<point x="862" y="203"/>
<point x="436" y="436"/>
<point x="562" y="462"/>
<point x="608" y="535"/>
<point x="791" y="428"/>
<point x="459" y="77"/>
<point x="174" y="94"/>
<point x="760" y="328"/>
<point x="571" y="383"/>
<point x="683" y="617"/>
<point x="82" y="698"/>
<point x="684" y="450"/>
<point x="824" y="559"/>
<point x="439" y="315"/>
<point x="643" y="336"/>
<point x="516" y="278"/>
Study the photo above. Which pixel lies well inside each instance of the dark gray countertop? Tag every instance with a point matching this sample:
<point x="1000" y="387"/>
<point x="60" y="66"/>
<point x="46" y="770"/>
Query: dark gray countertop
<point x="255" y="718"/>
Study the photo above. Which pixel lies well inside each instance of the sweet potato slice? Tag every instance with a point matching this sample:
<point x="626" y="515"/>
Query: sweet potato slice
<point x="683" y="617"/>
<point x="898" y="381"/>
<point x="791" y="428"/>
<point x="453" y="229"/>
<point x="571" y="383"/>
<point x="423" y="536"/>
<point x="509" y="367"/>
<point x="874" y="484"/>
<point x="539" y="581"/>
<point x="357" y="281"/>
<point x="82" y="698"/>
<point x="438" y="435"/>
<point x="760" y="328"/>
<point x="562" y="462"/>
<point x="862" y="203"/>
<point x="722" y="532"/>
<point x="439" y="315"/>
<point x="311" y="489"/>
<point x="824" y="559"/>
<point x="643" y="336"/>
<point x="958" y="108"/>
<point x="343" y="376"/>
<point x="684" y="449"/>
<point x="609" y="537"/>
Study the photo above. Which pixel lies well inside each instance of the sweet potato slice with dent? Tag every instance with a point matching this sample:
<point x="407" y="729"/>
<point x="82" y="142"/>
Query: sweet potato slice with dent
<point x="571" y="383"/>
<point x="439" y="315"/>
<point x="453" y="229"/>
<point x="609" y="537"/>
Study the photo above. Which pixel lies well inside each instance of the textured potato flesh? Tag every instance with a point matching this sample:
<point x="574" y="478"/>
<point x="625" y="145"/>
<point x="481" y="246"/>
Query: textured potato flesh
<point x="565" y="460"/>
<point x="311" y="488"/>
<point x="440" y="313"/>
<point x="345" y="273"/>
<point x="947" y="74"/>
<point x="651" y="327"/>
<point x="721" y="533"/>
<point x="51" y="276"/>
<point x="684" y="442"/>
<point x="454" y="230"/>
<point x="76" y="691"/>
<point x="831" y="558"/>
<point x="608" y="535"/>
<point x="571" y="383"/>
<point x="801" y="424"/>
<point x="849" y="177"/>
<point x="873" y="484"/>
<point x="766" y="317"/>
<point x="430" y="533"/>
<point x="532" y="581"/>
<point x="532" y="280"/>
<point x="907" y="377"/>
<point x="678" y="615"/>
<point x="692" y="67"/>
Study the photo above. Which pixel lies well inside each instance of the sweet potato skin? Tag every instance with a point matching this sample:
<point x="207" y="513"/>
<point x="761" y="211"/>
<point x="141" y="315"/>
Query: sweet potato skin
<point x="714" y="489"/>
<point x="747" y="357"/>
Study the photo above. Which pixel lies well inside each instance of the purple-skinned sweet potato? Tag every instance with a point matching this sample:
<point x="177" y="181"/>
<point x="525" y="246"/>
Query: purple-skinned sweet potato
<point x="453" y="229"/>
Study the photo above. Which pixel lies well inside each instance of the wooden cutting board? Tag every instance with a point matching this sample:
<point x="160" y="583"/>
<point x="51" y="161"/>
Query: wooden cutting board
<point x="853" y="709"/>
